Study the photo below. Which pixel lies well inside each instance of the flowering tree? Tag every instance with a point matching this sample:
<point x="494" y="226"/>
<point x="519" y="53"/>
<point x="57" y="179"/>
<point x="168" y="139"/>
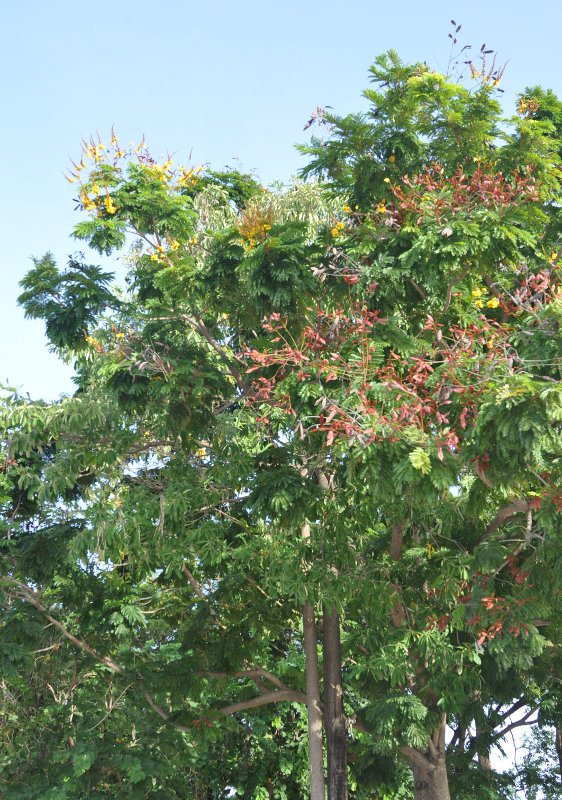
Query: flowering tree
<point x="328" y="414"/>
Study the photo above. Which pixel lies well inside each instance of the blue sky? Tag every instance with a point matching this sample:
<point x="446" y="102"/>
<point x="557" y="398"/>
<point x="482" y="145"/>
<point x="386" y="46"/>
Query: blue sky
<point x="232" y="82"/>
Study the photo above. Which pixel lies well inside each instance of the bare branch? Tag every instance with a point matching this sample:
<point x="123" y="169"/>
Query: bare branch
<point x="484" y="479"/>
<point x="285" y="695"/>
<point x="246" y="673"/>
<point x="200" y="326"/>
<point x="112" y="706"/>
<point x="512" y="709"/>
<point x="455" y="280"/>
<point x="516" y="507"/>
<point x="418" y="288"/>
<point x="523" y="721"/>
<point x="265" y="594"/>
<point x="164" y="714"/>
<point x="31" y="597"/>
<point x="196" y="586"/>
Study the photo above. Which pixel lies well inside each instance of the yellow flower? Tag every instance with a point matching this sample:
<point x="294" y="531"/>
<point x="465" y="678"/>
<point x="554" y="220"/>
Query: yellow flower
<point x="476" y="292"/>
<point x="346" y="209"/>
<point x="381" y="208"/>
<point x="109" y="206"/>
<point x="479" y="304"/>
<point x="392" y="159"/>
<point x="493" y="302"/>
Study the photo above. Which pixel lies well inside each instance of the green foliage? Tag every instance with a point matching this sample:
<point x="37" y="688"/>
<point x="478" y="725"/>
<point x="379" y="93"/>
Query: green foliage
<point x="68" y="301"/>
<point x="295" y="401"/>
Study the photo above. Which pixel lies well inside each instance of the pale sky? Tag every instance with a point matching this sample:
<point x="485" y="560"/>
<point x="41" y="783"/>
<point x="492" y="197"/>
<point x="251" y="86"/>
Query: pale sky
<point x="232" y="82"/>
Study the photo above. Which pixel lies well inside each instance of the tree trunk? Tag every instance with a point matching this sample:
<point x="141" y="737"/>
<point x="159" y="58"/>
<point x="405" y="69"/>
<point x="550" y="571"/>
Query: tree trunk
<point x="430" y="768"/>
<point x="483" y="751"/>
<point x="313" y="704"/>
<point x="558" y="742"/>
<point x="334" y="715"/>
<point x="431" y="783"/>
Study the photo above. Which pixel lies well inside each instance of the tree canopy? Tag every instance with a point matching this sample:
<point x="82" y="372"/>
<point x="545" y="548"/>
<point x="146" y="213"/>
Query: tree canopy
<point x="310" y="476"/>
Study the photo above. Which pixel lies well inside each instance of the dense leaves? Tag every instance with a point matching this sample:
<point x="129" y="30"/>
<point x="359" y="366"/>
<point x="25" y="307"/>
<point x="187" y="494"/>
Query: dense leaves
<point x="342" y="395"/>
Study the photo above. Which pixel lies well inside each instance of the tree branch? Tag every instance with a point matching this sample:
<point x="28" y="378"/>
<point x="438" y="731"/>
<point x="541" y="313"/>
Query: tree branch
<point x="419" y="758"/>
<point x="285" y="695"/>
<point x="512" y="709"/>
<point x="418" y="288"/>
<point x="196" y="586"/>
<point x="247" y="673"/>
<point x="164" y="714"/>
<point x="455" y="280"/>
<point x="31" y="597"/>
<point x="517" y="724"/>
<point x="518" y="506"/>
<point x="206" y="334"/>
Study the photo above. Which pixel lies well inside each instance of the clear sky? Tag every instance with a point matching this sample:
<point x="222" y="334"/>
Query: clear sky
<point x="233" y="82"/>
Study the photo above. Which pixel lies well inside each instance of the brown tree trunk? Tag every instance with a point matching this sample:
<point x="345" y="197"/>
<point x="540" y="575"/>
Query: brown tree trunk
<point x="314" y="706"/>
<point x="558" y="742"/>
<point x="430" y="768"/>
<point x="483" y="752"/>
<point x="334" y="715"/>
<point x="431" y="783"/>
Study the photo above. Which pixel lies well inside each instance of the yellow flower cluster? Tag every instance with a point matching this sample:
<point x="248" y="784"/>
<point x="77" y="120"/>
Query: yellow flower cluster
<point x="95" y="150"/>
<point x="88" y="204"/>
<point x="109" y="205"/>
<point x="338" y="229"/>
<point x="254" y="225"/>
<point x="189" y="177"/>
<point x="478" y="295"/>
<point x="493" y="77"/>
<point x="159" y="252"/>
<point x="527" y="106"/>
<point x="162" y="171"/>
<point x="381" y="208"/>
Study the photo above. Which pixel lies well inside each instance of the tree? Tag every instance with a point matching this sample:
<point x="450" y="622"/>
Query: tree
<point x="329" y="413"/>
